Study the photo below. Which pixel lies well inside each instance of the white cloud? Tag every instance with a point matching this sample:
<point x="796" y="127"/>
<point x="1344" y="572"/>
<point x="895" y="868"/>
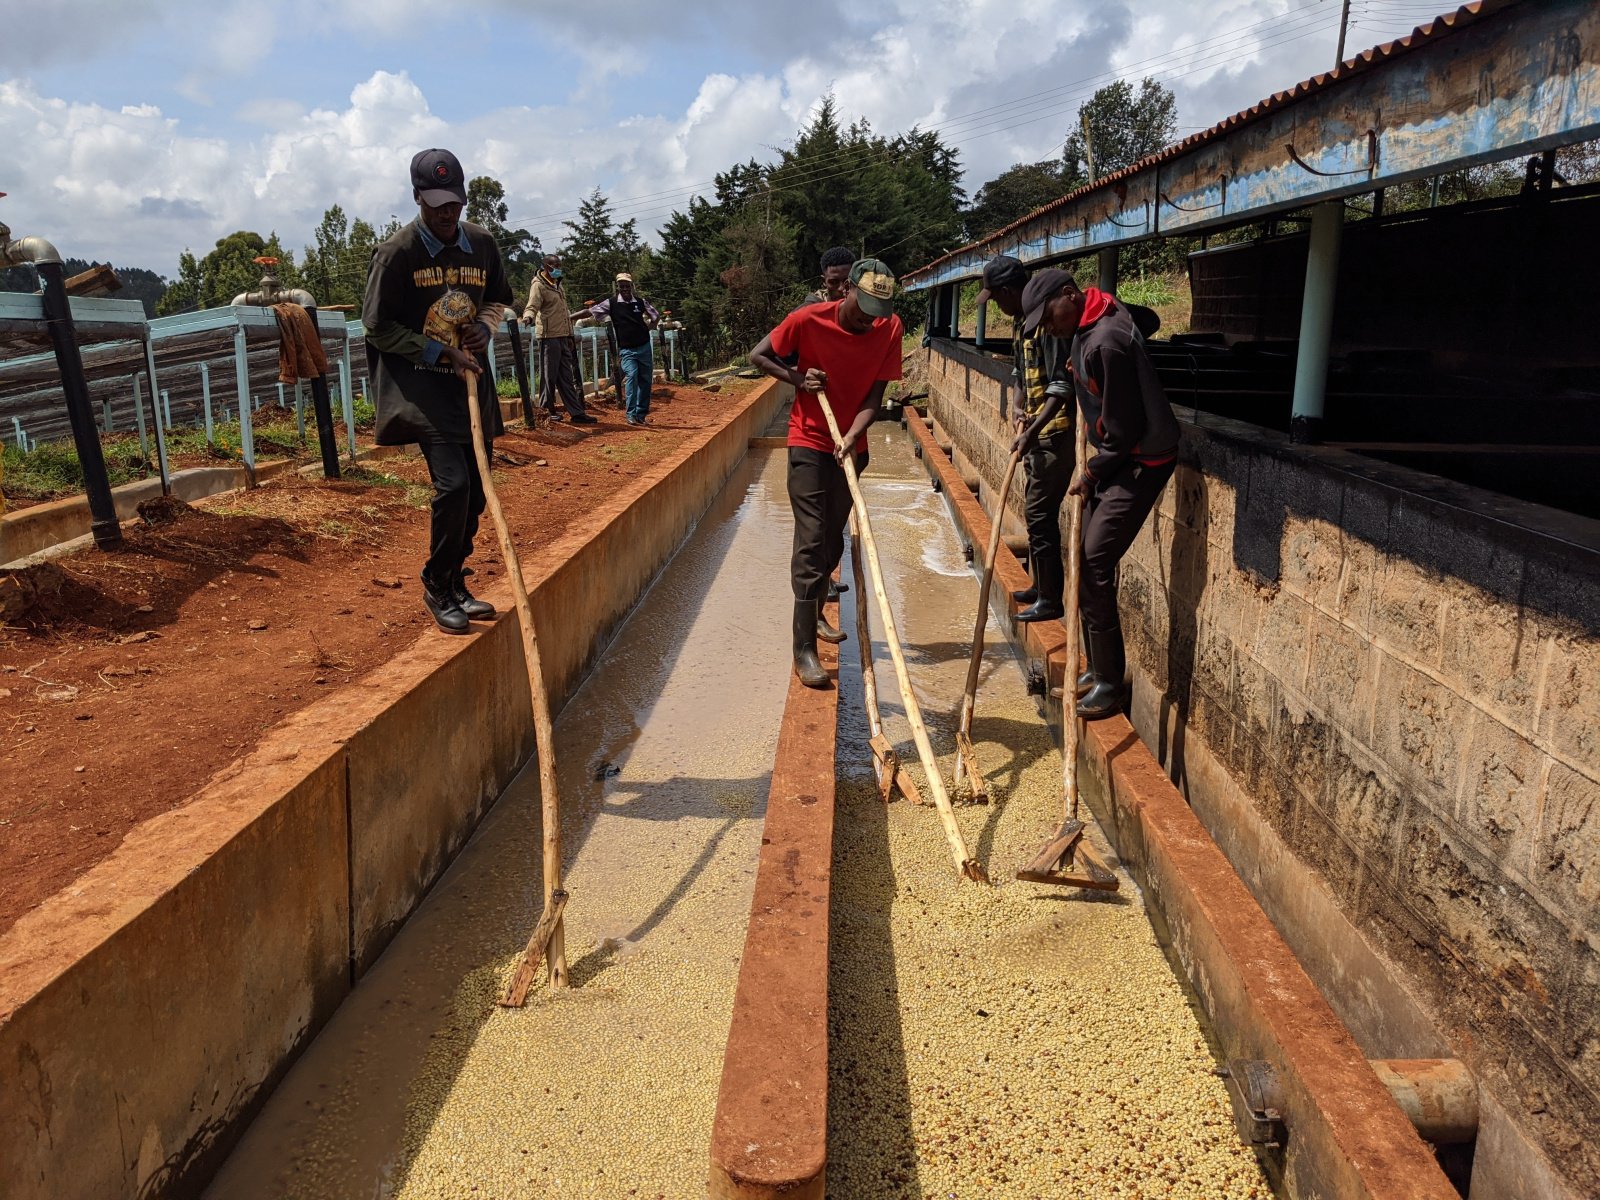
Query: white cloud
<point x="133" y="185"/>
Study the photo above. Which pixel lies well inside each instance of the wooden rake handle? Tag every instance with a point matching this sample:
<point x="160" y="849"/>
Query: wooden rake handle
<point x="549" y="936"/>
<point x="981" y="623"/>
<point x="966" y="866"/>
<point x="1069" y="689"/>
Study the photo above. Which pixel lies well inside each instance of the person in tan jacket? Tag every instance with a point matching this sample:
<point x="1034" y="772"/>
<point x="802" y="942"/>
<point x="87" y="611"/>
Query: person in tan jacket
<point x="558" y="351"/>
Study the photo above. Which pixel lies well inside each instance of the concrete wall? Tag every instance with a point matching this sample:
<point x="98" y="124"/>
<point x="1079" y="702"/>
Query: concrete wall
<point x="147" y="1010"/>
<point x="1381" y="693"/>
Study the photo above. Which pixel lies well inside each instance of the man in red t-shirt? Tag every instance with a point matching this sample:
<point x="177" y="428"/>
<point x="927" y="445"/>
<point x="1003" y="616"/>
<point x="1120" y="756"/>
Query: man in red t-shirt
<point x="851" y="349"/>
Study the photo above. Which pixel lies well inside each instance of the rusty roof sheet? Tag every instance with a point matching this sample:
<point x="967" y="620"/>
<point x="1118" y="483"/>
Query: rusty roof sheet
<point x="1421" y="36"/>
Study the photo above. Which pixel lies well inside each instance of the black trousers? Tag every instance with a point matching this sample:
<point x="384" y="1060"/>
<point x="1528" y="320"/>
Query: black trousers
<point x="558" y="375"/>
<point x="1049" y="474"/>
<point x="819" y="497"/>
<point x="457" y="505"/>
<point x="1113" y="516"/>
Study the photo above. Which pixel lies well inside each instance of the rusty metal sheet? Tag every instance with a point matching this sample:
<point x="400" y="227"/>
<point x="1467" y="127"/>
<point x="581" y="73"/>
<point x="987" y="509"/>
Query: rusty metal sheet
<point x="1508" y="80"/>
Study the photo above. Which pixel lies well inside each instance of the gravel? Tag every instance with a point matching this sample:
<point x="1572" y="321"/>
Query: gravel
<point x="1015" y="1041"/>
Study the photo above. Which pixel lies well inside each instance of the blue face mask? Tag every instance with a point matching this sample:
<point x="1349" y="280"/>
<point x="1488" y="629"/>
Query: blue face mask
<point x="555" y="272"/>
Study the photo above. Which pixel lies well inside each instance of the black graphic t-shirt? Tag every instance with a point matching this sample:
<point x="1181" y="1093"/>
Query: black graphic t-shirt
<point x="415" y="298"/>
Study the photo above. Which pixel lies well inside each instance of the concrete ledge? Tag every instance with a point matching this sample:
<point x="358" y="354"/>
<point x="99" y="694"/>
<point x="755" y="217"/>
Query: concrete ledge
<point x="770" y="1136"/>
<point x="147" y="1010"/>
<point x="1347" y="1137"/>
<point x="40" y="527"/>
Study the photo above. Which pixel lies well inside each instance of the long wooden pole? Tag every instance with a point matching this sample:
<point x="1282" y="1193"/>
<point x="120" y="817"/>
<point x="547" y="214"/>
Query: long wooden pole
<point x="1069" y="685"/>
<point x="966" y="865"/>
<point x="980" y="625"/>
<point x="549" y="937"/>
<point x="869" y="677"/>
<point x="886" y="763"/>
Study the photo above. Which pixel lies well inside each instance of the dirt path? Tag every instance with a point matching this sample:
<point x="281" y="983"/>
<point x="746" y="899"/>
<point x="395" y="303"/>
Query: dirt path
<point x="138" y="675"/>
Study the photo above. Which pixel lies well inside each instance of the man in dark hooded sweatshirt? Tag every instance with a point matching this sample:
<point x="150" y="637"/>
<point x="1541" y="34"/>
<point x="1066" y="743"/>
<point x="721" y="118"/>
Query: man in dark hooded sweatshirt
<point x="1098" y="354"/>
<point x="436" y="293"/>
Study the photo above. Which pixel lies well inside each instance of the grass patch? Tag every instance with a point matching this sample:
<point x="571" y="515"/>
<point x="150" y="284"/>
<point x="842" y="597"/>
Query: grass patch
<point x="624" y="452"/>
<point x="417" y="495"/>
<point x="506" y="388"/>
<point x="1157" y="291"/>
<point x="52" y="470"/>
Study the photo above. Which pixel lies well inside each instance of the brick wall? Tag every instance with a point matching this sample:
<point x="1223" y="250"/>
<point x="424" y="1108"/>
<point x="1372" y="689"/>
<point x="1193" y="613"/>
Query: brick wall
<point x="1381" y="691"/>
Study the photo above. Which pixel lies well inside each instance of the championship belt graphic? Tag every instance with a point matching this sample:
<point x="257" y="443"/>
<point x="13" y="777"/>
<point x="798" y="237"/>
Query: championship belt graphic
<point x="446" y="317"/>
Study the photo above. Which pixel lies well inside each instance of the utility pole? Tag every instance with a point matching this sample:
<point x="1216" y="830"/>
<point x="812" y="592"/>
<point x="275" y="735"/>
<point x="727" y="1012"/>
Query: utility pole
<point x="1344" y="27"/>
<point x="1088" y="142"/>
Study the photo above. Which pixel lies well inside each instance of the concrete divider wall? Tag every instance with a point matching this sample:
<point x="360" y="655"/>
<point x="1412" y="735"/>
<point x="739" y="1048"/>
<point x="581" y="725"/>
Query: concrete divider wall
<point x="147" y="1010"/>
<point x="1379" y="690"/>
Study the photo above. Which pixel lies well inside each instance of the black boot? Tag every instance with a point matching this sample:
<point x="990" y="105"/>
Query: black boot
<point x="836" y="589"/>
<point x="1087" y="679"/>
<point x="1028" y="595"/>
<point x="827" y="632"/>
<point x="806" y="664"/>
<point x="476" y="610"/>
<point x="1042" y="610"/>
<point x="441" y="605"/>
<point x="1108" y="664"/>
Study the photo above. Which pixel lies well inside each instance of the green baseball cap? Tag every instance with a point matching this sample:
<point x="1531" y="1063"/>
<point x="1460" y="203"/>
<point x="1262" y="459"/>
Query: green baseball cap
<point x="874" y="283"/>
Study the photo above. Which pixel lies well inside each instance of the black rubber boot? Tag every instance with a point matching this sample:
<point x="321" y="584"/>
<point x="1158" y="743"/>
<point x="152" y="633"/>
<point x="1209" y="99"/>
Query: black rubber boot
<point x="1087" y="679"/>
<point x="476" y="610"/>
<point x="827" y="632"/>
<point x="806" y="664"/>
<point x="1108" y="664"/>
<point x="1028" y="595"/>
<point x="836" y="589"/>
<point x="1041" y="610"/>
<point x="442" y="606"/>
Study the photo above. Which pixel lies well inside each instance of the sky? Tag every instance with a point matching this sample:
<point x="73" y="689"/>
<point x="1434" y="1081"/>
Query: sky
<point x="132" y="130"/>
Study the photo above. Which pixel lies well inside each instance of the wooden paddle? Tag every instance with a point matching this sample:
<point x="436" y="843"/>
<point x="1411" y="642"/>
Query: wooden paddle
<point x="967" y="866"/>
<point x="549" y="935"/>
<point x="966" y="756"/>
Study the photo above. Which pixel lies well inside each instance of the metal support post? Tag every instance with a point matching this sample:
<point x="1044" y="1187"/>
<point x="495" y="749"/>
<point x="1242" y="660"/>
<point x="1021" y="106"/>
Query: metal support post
<point x="205" y="402"/>
<point x="241" y="375"/>
<point x="105" y="414"/>
<point x="1316" y="322"/>
<point x="519" y="367"/>
<point x="282" y="403"/>
<point x="349" y="400"/>
<point x="983" y="324"/>
<point x="138" y="418"/>
<point x="155" y="414"/>
<point x="166" y="409"/>
<point x="1110" y="260"/>
<point x="75" y="390"/>
<point x="300" y="412"/>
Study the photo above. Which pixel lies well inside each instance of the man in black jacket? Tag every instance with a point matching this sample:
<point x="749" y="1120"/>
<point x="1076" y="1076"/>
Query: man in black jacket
<point x="632" y="319"/>
<point x="1135" y="438"/>
<point x="436" y="292"/>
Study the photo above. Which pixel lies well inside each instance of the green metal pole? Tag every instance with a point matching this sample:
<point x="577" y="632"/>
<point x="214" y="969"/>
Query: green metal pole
<point x="1316" y="322"/>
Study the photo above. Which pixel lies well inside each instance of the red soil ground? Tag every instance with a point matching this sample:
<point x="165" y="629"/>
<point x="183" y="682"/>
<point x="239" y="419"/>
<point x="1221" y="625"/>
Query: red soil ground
<point x="137" y="675"/>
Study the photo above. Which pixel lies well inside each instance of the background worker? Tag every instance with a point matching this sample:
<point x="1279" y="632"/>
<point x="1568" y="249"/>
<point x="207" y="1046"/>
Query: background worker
<point x="836" y="264"/>
<point x="1044" y="440"/>
<point x="632" y="317"/>
<point x="436" y="291"/>
<point x="851" y="348"/>
<point x="558" y="350"/>
<point x="1135" y="439"/>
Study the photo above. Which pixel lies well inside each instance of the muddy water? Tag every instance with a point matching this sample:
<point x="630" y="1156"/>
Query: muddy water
<point x="1013" y="1041"/>
<point x="420" y="1086"/>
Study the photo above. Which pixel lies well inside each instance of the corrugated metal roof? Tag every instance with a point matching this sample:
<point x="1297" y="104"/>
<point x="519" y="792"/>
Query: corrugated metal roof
<point x="1421" y="36"/>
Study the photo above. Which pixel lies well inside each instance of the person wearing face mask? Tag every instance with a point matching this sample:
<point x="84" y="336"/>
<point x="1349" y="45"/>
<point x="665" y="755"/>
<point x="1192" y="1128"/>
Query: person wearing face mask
<point x="558" y="351"/>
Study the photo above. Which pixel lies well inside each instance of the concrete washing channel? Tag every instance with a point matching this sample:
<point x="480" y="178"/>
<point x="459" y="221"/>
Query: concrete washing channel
<point x="771" y="966"/>
<point x="971" y="1046"/>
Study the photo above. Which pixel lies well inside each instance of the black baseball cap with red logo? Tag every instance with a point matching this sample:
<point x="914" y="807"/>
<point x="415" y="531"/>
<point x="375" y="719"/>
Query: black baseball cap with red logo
<point x="438" y="177"/>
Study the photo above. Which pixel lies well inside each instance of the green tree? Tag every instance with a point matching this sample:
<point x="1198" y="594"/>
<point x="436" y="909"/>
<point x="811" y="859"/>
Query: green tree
<point x="1013" y="194"/>
<point x="326" y="259"/>
<point x="486" y="206"/>
<point x="597" y="248"/>
<point x="1124" y="126"/>
<point x="225" y="272"/>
